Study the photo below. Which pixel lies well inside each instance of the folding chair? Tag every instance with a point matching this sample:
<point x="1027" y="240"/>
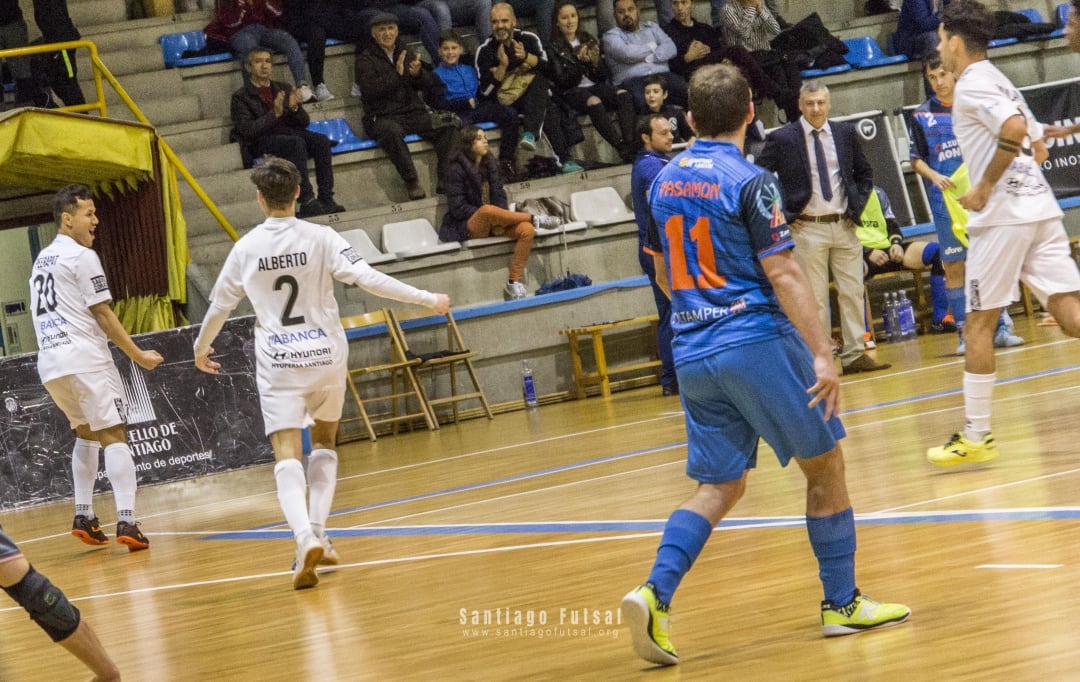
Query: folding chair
<point x="359" y="240"/>
<point x="601" y="206"/>
<point x="396" y="366"/>
<point x="864" y="53"/>
<point x="454" y="353"/>
<point x="411" y="238"/>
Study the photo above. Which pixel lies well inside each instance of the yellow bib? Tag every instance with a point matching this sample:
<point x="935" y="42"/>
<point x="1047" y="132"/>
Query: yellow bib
<point x="873" y="233"/>
<point x="958" y="214"/>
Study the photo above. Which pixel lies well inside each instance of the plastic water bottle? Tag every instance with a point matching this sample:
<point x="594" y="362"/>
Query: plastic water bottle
<point x="528" y="390"/>
<point x="892" y="311"/>
<point x="907" y="318"/>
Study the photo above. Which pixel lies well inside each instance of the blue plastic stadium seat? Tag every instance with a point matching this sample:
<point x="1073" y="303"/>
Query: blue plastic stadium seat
<point x="1002" y="42"/>
<point x="1061" y="14"/>
<point x="338" y="130"/>
<point x="486" y="125"/>
<point x="864" y="53"/>
<point x="1037" y="18"/>
<point x="174" y="44"/>
<point x="815" y="73"/>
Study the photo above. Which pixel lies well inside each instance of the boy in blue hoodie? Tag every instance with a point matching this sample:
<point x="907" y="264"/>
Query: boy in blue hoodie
<point x="460" y="98"/>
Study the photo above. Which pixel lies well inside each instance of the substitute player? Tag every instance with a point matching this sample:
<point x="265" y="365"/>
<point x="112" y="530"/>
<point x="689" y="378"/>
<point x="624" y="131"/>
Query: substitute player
<point x="287" y="268"/>
<point x="1014" y="230"/>
<point x="752" y="360"/>
<point x="73" y="322"/>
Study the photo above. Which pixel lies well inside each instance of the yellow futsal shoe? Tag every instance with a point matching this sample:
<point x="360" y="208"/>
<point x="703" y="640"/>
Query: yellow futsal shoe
<point x="648" y="619"/>
<point x="863" y="613"/>
<point x="960" y="450"/>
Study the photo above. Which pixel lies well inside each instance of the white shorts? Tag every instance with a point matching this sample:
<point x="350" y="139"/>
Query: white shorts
<point x="999" y="256"/>
<point x="92" y="398"/>
<point x="296" y="410"/>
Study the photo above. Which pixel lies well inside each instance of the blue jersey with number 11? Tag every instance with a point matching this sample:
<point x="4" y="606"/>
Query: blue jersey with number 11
<point x="715" y="215"/>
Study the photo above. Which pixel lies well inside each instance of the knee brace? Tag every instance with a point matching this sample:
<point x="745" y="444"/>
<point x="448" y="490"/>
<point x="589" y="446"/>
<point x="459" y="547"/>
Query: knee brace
<point x="46" y="604"/>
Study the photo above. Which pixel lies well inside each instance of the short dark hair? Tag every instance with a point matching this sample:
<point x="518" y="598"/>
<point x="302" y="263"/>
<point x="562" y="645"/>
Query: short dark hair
<point x="277" y="180"/>
<point x="645" y="124"/>
<point x="719" y="99"/>
<point x="67" y="200"/>
<point x="932" y="61"/>
<point x="970" y="20"/>
<point x="450" y="36"/>
<point x="615" y="2"/>
<point x="254" y="50"/>
<point x="655" y="79"/>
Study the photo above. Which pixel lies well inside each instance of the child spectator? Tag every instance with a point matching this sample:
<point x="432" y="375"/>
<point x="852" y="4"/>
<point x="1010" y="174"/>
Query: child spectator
<point x="656" y="95"/>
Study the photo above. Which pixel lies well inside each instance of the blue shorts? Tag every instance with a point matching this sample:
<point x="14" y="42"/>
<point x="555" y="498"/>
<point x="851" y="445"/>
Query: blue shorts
<point x="951" y="248"/>
<point x="8" y="550"/>
<point x="735" y="396"/>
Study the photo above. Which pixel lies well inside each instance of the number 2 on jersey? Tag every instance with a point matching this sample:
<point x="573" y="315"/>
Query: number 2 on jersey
<point x="705" y="275"/>
<point x="45" y="287"/>
<point x="287" y="319"/>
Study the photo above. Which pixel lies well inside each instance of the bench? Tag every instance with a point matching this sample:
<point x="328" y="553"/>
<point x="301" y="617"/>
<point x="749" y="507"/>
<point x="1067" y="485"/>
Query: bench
<point x="602" y="375"/>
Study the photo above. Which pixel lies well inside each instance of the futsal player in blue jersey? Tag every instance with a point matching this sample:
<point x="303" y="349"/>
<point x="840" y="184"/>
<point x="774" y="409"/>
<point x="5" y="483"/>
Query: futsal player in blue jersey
<point x="935" y="156"/>
<point x="752" y="361"/>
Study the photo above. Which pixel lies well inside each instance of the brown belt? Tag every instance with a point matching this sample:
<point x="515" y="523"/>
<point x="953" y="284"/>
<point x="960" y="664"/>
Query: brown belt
<point x="827" y="218"/>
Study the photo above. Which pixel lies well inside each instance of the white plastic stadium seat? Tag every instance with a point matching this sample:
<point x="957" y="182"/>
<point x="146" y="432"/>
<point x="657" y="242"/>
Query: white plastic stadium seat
<point x="359" y="240"/>
<point x="412" y="238"/>
<point x="601" y="206"/>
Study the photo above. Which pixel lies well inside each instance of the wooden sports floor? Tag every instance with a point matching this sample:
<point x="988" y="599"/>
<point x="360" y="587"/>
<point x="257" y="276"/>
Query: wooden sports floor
<point x="500" y="550"/>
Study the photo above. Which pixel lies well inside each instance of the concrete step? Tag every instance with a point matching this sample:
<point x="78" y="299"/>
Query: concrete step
<point x="88" y="13"/>
<point x="143" y="32"/>
<point x="212" y="160"/>
<point x="125" y="62"/>
<point x="193" y="135"/>
<point x="160" y="111"/>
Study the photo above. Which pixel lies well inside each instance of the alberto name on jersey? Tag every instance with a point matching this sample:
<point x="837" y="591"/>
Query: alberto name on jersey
<point x="715" y="215"/>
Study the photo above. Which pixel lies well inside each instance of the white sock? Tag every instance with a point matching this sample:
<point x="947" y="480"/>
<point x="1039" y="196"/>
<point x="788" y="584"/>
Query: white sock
<point x="291" y="489"/>
<point x="322" y="479"/>
<point x="84" y="468"/>
<point x="120" y="466"/>
<point x="978" y="388"/>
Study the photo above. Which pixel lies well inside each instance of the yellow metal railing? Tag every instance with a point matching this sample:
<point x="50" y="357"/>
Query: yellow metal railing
<point x="102" y="73"/>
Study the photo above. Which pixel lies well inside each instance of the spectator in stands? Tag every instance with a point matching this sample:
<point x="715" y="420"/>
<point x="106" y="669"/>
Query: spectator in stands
<point x="413" y="18"/>
<point x="389" y="76"/>
<point x="450" y="13"/>
<point x="268" y="117"/>
<point x="581" y="79"/>
<point x="311" y="22"/>
<point x="825" y="181"/>
<point x="508" y="67"/>
<point x="476" y="206"/>
<point x="13" y="33"/>
<point x="605" y="13"/>
<point x="698" y="44"/>
<point x="656" y="94"/>
<point x="459" y="96"/>
<point x="751" y="25"/>
<point x="635" y="49"/>
<point x="539" y="10"/>
<point x="54" y="22"/>
<point x="656" y="140"/>
<point x="916" y="29"/>
<point x="886" y="250"/>
<point x="247" y="24"/>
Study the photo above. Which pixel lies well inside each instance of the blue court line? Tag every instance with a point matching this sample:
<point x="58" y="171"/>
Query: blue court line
<point x="657" y="525"/>
<point x="612" y="458"/>
<point x="485" y="484"/>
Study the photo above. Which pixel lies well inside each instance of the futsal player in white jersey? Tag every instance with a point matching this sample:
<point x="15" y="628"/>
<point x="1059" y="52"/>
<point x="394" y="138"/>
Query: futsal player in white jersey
<point x="287" y="268"/>
<point x="1015" y="227"/>
<point x="73" y="321"/>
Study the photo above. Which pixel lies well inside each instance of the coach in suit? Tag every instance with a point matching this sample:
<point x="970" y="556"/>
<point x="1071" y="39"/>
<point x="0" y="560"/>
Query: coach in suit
<point x="823" y="209"/>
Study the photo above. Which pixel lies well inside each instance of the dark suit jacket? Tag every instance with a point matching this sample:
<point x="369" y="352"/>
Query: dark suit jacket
<point x="785" y="154"/>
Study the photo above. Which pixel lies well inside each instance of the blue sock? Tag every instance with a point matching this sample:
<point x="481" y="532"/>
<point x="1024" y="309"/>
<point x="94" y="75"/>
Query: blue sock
<point x="685" y="533"/>
<point x="833" y="540"/>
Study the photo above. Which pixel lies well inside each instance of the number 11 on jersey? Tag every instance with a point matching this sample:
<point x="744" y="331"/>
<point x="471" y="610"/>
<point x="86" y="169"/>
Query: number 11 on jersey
<point x="701" y="273"/>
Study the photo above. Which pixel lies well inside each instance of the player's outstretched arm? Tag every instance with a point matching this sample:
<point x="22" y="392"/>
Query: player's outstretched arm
<point x="110" y="324"/>
<point x="368" y="278"/>
<point x="793" y="291"/>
